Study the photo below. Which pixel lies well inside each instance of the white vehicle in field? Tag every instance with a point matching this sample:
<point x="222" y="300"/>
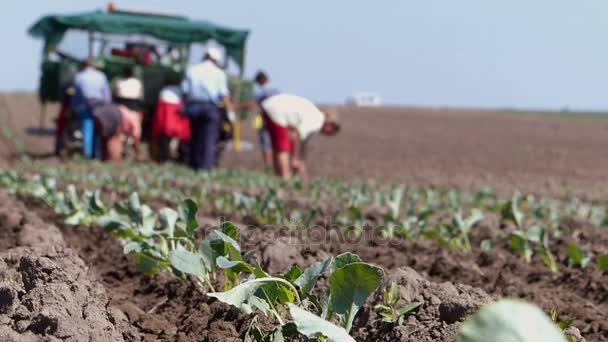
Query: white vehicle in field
<point x="365" y="99"/>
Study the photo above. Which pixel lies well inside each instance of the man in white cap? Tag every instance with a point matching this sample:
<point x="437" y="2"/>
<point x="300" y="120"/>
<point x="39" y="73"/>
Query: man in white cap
<point x="291" y="121"/>
<point x="205" y="88"/>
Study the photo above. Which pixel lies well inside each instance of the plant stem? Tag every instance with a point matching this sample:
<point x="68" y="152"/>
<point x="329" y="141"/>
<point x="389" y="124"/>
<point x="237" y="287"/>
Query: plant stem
<point x="348" y="324"/>
<point x="274" y="309"/>
<point x="205" y="281"/>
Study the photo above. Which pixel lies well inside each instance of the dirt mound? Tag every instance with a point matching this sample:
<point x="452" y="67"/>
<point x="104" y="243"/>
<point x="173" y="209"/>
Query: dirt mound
<point x="575" y="293"/>
<point x="444" y="307"/>
<point x="20" y="227"/>
<point x="45" y="295"/>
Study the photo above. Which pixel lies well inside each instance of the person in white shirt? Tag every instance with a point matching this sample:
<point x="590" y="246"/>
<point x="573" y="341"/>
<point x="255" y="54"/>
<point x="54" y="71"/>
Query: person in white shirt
<point x="128" y="90"/>
<point x="291" y="121"/>
<point x="205" y="87"/>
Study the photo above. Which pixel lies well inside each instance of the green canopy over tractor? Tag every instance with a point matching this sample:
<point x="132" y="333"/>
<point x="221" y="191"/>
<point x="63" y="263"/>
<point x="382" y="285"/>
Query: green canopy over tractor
<point x="132" y="29"/>
<point x="168" y="28"/>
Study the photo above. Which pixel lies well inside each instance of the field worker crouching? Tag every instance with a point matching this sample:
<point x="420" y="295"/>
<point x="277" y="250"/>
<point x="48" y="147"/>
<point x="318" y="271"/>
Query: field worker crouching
<point x="205" y="87"/>
<point x="112" y="122"/>
<point x="291" y="121"/>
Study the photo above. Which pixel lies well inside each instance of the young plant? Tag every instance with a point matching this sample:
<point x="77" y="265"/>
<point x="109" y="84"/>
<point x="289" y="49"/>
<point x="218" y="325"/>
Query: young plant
<point x="540" y="237"/>
<point x="602" y="263"/>
<point x="510" y="212"/>
<point x="388" y="309"/>
<point x="519" y="243"/>
<point x="562" y="325"/>
<point x="577" y="257"/>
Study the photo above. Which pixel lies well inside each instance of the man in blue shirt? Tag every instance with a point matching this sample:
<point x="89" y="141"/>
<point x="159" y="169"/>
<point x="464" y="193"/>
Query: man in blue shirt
<point x="92" y="89"/>
<point x="205" y="87"/>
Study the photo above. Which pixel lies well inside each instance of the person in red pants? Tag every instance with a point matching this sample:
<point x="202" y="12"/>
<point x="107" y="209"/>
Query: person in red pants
<point x="291" y="121"/>
<point x="169" y="125"/>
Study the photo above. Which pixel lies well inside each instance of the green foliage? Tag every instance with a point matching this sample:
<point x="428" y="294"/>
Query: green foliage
<point x="314" y="327"/>
<point x="169" y="240"/>
<point x="562" y="325"/>
<point x="510" y="211"/>
<point x="602" y="263"/>
<point x="349" y="287"/>
<point x="388" y="309"/>
<point x="577" y="257"/>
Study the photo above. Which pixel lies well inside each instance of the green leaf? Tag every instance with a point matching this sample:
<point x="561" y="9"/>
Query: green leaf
<point x="209" y="255"/>
<point x="134" y="209"/>
<point x="167" y="218"/>
<point x="222" y="243"/>
<point x="536" y="234"/>
<point x="576" y="256"/>
<point x="487" y="245"/>
<point x="311" y="325"/>
<point x="293" y="274"/>
<point x="75" y="218"/>
<point x="117" y="225"/>
<point x="188" y="262"/>
<point x="344" y="259"/>
<point x="519" y="243"/>
<point x="241" y="294"/>
<point x="230" y="230"/>
<point x="510" y="212"/>
<point x="95" y="205"/>
<point x="306" y="282"/>
<point x="549" y="260"/>
<point x="602" y="263"/>
<point x="408" y="309"/>
<point x="392" y="295"/>
<point x="563" y="325"/>
<point x="147" y="265"/>
<point x="554" y="315"/>
<point x="509" y="320"/>
<point x="350" y="286"/>
<point x="235" y="266"/>
<point x="187" y="210"/>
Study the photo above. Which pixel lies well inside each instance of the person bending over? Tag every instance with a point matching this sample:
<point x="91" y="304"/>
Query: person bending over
<point x="113" y="122"/>
<point x="291" y="121"/>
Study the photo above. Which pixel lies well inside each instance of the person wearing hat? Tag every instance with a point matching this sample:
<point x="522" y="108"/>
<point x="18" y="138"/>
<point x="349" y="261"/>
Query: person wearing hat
<point x="205" y="88"/>
<point x="291" y="122"/>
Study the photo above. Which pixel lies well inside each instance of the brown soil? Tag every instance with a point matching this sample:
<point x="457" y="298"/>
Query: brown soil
<point x="45" y="291"/>
<point x="575" y="293"/>
<point x="464" y="149"/>
<point x="163" y="308"/>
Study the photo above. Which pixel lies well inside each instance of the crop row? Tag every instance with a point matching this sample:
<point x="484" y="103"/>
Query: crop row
<point x="447" y="217"/>
<point x="166" y="241"/>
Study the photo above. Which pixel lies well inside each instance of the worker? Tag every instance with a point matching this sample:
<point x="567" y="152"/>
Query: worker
<point x="263" y="91"/>
<point x="205" y="88"/>
<point x="170" y="130"/>
<point x="291" y="121"/>
<point x="128" y="90"/>
<point x="61" y="122"/>
<point x="113" y="121"/>
<point x="92" y="90"/>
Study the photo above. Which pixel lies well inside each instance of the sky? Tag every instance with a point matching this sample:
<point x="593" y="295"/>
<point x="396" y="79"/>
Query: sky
<point x="541" y="54"/>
